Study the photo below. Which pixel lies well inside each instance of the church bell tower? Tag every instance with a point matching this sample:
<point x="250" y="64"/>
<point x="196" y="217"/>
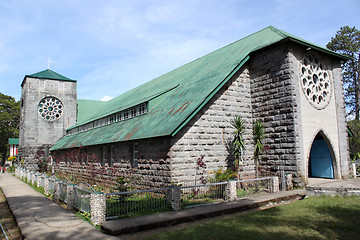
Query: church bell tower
<point x="48" y="107"/>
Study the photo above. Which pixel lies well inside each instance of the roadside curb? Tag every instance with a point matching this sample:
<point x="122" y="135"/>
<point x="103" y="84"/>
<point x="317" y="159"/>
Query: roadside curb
<point x="141" y="223"/>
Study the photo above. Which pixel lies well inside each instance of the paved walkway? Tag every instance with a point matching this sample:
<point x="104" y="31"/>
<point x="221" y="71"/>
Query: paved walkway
<point x="39" y="218"/>
<point x="332" y="187"/>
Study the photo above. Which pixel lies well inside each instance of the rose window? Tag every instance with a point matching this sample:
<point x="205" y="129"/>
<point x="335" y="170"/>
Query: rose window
<point x="315" y="82"/>
<point x="50" y="108"/>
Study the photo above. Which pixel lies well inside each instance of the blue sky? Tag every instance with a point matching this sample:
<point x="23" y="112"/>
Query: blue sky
<point x="112" y="46"/>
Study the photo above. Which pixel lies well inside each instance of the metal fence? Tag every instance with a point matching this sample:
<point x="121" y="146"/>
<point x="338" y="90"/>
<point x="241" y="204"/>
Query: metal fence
<point x="249" y="187"/>
<point x="357" y="165"/>
<point x="192" y="196"/>
<point x="130" y="204"/>
<point x="63" y="191"/>
<point x="82" y="199"/>
<point x="51" y="184"/>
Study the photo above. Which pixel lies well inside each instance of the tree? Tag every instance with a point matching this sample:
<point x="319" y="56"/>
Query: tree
<point x="354" y="140"/>
<point x="347" y="42"/>
<point x="238" y="142"/>
<point x="9" y="122"/>
<point x="258" y="137"/>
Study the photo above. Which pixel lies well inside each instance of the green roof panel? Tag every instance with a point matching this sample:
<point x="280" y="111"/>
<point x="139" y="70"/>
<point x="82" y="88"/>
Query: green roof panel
<point x="87" y="108"/>
<point x="48" y="74"/>
<point x="13" y="141"/>
<point x="174" y="98"/>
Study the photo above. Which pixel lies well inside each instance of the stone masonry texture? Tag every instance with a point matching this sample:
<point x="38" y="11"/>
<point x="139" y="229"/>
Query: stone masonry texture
<point x="266" y="88"/>
<point x="36" y="133"/>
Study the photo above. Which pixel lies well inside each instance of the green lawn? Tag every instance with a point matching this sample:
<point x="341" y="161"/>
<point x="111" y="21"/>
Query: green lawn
<point x="311" y="218"/>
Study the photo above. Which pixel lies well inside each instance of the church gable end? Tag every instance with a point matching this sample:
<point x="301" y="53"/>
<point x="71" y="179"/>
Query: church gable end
<point x="273" y="102"/>
<point x="161" y="129"/>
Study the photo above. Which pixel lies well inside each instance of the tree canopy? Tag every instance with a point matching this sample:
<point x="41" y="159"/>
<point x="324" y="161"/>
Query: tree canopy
<point x="9" y="122"/>
<point x="347" y="42"/>
<point x="354" y="140"/>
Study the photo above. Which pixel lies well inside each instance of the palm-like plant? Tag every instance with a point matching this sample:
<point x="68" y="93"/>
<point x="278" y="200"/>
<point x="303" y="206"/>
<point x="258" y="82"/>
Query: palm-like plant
<point x="258" y="137"/>
<point x="238" y="142"/>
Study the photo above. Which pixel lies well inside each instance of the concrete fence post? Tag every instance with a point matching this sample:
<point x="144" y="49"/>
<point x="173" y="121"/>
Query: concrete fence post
<point x="46" y="185"/>
<point x="173" y="196"/>
<point x="230" y="193"/>
<point x="70" y="196"/>
<point x="32" y="177"/>
<point x="274" y="185"/>
<point x="38" y="179"/>
<point x="57" y="190"/>
<point x="289" y="182"/>
<point x="353" y="170"/>
<point x="98" y="207"/>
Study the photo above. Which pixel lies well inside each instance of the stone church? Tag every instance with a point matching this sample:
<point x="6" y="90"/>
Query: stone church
<point x="161" y="128"/>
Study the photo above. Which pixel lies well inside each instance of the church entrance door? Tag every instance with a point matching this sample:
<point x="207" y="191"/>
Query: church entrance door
<point x="321" y="164"/>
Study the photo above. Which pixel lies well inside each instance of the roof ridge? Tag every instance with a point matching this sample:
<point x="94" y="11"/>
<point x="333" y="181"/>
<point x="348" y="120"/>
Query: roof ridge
<point x="280" y="32"/>
<point x="48" y="74"/>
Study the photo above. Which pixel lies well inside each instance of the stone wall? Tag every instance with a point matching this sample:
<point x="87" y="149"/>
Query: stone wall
<point x="326" y="118"/>
<point x="341" y="119"/>
<point x="35" y="132"/>
<point x="273" y="101"/>
<point x="35" y="156"/>
<point x="102" y="164"/>
<point x="209" y="133"/>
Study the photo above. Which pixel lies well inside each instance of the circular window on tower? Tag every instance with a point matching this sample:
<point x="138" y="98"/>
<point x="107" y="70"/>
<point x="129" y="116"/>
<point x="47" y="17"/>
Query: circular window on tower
<point x="315" y="81"/>
<point x="50" y="108"/>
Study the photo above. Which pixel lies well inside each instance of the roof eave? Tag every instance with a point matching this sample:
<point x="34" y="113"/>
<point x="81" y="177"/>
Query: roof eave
<point x="29" y="76"/>
<point x="318" y="48"/>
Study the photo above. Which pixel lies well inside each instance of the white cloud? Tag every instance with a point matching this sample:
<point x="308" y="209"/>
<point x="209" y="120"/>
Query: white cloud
<point x="106" y="98"/>
<point x="112" y="46"/>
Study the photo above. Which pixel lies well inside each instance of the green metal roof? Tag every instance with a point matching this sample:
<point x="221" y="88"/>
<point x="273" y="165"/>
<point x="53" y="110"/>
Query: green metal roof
<point x="48" y="74"/>
<point x="174" y="98"/>
<point x="13" y="141"/>
<point x="87" y="108"/>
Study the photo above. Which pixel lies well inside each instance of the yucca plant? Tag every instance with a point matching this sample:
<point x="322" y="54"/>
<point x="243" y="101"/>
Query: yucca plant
<point x="220" y="176"/>
<point x="238" y="142"/>
<point x="258" y="137"/>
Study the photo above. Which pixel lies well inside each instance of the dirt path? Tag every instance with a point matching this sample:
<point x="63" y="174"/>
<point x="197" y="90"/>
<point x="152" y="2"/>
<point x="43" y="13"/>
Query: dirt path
<point x="7" y="221"/>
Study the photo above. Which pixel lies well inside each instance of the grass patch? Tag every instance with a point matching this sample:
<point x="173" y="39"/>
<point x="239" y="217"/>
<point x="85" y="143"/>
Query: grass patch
<point x="311" y="218"/>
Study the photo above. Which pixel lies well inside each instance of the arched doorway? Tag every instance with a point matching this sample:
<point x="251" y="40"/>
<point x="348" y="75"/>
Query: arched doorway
<point x="321" y="160"/>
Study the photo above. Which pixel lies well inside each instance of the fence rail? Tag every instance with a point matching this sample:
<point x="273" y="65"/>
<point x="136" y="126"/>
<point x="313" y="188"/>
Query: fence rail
<point x="128" y="203"/>
<point x="192" y="196"/>
<point x="357" y="167"/>
<point x="245" y="188"/>
<point x="132" y="203"/>
<point x="63" y="191"/>
<point x="82" y="199"/>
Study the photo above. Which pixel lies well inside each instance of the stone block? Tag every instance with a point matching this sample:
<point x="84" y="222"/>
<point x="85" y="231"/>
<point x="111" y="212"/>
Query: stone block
<point x="173" y="196"/>
<point x="230" y="192"/>
<point x="274" y="185"/>
<point x="98" y="208"/>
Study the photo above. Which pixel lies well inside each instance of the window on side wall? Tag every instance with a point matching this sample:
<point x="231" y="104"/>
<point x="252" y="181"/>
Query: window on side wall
<point x="135" y="155"/>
